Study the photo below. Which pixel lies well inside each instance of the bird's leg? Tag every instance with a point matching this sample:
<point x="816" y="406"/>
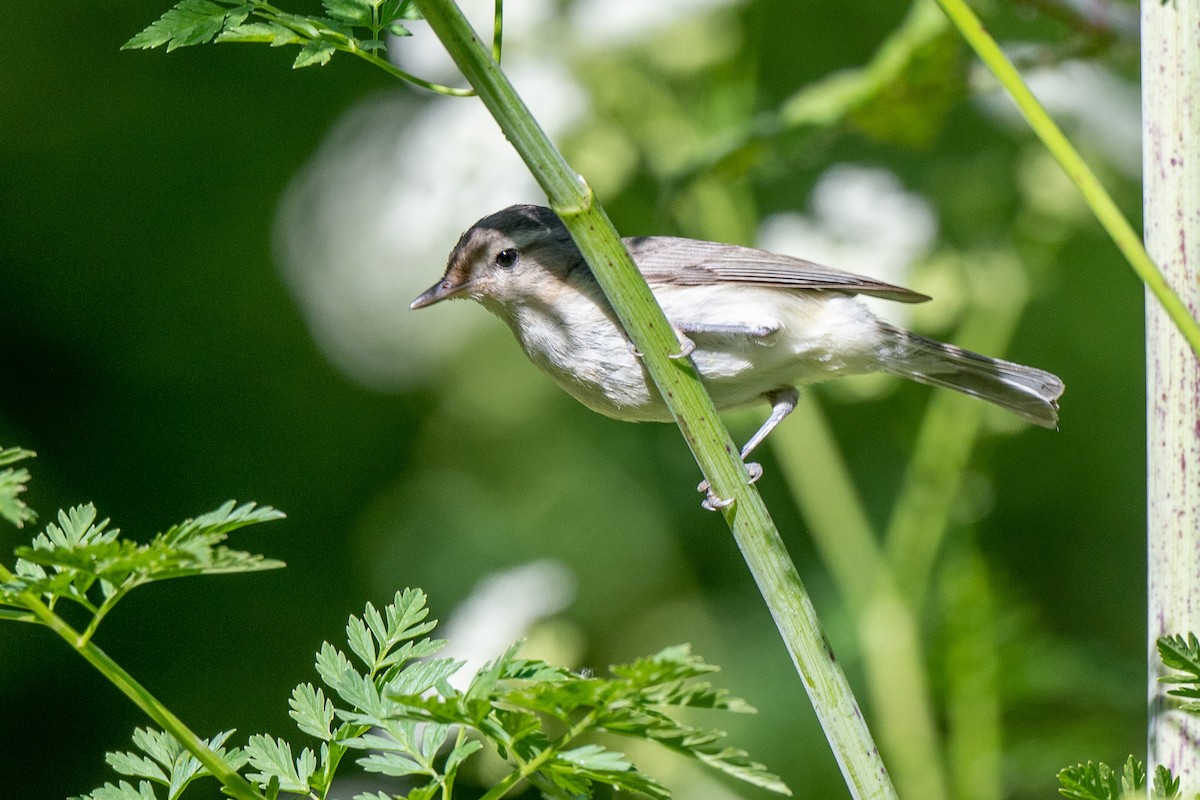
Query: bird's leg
<point x="783" y="402"/>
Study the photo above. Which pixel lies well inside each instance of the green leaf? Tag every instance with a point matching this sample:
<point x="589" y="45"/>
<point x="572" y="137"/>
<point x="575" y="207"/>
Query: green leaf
<point x="137" y="766"/>
<point x="82" y="559"/>
<point x="1182" y="654"/>
<point x="315" y="52"/>
<point x="273" y="758"/>
<point x="399" y="9"/>
<point x="358" y="636"/>
<point x="393" y="764"/>
<point x="163" y="761"/>
<point x="271" y="32"/>
<point x="189" y="22"/>
<point x="12" y="484"/>
<point x="396" y="29"/>
<point x="594" y="757"/>
<point x="356" y="12"/>
<point x="312" y="711"/>
<point x="1098" y="781"/>
<point x="461" y="752"/>
<point x="121" y="791"/>
<point x="421" y="676"/>
<point x="1166" y="785"/>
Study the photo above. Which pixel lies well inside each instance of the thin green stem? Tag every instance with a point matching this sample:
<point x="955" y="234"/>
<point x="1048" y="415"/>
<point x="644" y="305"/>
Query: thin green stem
<point x="1102" y="205"/>
<point x="235" y="785"/>
<point x="526" y="769"/>
<point x="498" y="30"/>
<point x="887" y="630"/>
<point x="949" y="431"/>
<point x="690" y="405"/>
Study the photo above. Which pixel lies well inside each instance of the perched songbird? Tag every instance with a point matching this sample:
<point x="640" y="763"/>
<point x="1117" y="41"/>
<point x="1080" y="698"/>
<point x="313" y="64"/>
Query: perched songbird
<point x="755" y="324"/>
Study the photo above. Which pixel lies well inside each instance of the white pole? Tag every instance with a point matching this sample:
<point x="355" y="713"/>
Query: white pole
<point x="1171" y="176"/>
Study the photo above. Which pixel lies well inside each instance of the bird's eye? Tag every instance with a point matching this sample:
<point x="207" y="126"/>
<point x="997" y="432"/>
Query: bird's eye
<point x="507" y="259"/>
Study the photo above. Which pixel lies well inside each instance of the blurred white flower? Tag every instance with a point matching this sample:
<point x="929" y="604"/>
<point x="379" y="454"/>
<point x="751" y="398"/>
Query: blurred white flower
<point x="1104" y="108"/>
<point x="602" y="23"/>
<point x="501" y="610"/>
<point x="862" y="220"/>
<point x="367" y="224"/>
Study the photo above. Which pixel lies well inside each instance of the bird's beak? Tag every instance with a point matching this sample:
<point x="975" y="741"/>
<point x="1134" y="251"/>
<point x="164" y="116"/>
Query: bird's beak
<point x="443" y="289"/>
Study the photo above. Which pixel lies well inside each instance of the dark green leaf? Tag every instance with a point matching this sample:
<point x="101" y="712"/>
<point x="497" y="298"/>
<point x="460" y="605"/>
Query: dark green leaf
<point x="189" y="22"/>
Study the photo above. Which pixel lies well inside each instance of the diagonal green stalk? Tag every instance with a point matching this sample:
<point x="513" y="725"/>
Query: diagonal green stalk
<point x="1101" y="203"/>
<point x="886" y="584"/>
<point x="235" y="785"/>
<point x="690" y="404"/>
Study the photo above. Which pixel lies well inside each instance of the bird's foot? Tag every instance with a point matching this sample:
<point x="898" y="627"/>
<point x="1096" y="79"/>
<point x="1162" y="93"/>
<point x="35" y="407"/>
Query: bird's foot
<point x="711" y="502"/>
<point x="686" y="345"/>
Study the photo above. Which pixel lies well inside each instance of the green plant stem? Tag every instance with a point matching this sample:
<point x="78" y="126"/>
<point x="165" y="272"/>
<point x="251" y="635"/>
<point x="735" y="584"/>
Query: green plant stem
<point x="949" y="430"/>
<point x="235" y="785"/>
<point x="888" y="631"/>
<point x="690" y="404"/>
<point x="886" y="584"/>
<point x="1102" y="205"/>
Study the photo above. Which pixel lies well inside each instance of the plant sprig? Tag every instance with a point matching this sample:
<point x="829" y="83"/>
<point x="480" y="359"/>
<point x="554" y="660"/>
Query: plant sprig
<point x="161" y="761"/>
<point x="82" y="560"/>
<point x="12" y="484"/>
<point x="1182" y="654"/>
<point x="391" y="705"/>
<point x="357" y="27"/>
<point x="1098" y="781"/>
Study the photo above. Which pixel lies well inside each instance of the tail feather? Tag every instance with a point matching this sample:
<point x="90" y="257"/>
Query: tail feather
<point x="1028" y="392"/>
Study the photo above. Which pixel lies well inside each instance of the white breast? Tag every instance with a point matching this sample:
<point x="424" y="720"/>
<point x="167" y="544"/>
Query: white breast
<point x="815" y="337"/>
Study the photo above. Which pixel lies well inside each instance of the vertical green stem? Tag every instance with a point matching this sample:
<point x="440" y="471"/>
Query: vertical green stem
<point x="1102" y="205"/>
<point x="1171" y="171"/>
<point x="691" y="406"/>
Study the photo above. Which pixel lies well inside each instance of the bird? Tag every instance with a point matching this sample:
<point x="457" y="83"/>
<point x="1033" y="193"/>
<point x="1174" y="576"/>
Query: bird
<point x="756" y="325"/>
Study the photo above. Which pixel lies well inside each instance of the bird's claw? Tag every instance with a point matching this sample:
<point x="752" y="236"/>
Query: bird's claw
<point x="711" y="502"/>
<point x="686" y="346"/>
<point x="714" y="503"/>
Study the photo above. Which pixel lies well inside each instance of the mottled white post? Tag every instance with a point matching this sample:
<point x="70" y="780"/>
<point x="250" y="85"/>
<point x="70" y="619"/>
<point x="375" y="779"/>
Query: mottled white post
<point x="1171" y="167"/>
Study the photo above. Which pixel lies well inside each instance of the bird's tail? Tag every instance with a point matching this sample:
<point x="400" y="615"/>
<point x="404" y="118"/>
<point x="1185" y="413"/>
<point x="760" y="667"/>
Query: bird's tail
<point x="1030" y="393"/>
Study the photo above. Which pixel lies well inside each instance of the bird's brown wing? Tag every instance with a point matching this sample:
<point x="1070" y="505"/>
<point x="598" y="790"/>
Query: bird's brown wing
<point x="688" y="262"/>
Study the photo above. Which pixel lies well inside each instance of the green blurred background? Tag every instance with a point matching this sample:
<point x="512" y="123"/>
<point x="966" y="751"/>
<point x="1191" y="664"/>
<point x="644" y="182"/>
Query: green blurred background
<point x="160" y="362"/>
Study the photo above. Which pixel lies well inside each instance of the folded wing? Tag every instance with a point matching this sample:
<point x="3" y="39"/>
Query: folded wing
<point x="688" y="262"/>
